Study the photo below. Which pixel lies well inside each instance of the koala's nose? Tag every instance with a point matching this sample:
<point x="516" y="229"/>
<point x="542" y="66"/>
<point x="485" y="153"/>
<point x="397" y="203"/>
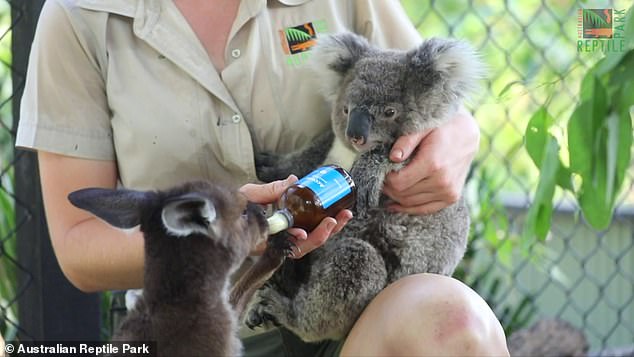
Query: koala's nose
<point x="358" y="141"/>
<point x="359" y="123"/>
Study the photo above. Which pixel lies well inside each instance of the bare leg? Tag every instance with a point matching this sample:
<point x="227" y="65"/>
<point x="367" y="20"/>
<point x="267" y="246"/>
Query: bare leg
<point x="426" y="315"/>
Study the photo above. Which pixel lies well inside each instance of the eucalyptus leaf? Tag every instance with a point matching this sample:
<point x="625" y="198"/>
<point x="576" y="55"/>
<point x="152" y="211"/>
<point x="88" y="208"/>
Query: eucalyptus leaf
<point x="536" y="134"/>
<point x="625" y="133"/>
<point x="536" y="138"/>
<point x="540" y="212"/>
<point x="584" y="128"/>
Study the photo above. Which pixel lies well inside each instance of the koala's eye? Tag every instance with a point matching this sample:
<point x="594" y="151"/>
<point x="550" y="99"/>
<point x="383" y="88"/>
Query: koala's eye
<point x="389" y="112"/>
<point x="346" y="110"/>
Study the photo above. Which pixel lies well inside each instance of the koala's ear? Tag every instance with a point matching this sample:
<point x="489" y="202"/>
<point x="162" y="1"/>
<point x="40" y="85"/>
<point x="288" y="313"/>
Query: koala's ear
<point x="456" y="62"/>
<point x="190" y="213"/>
<point x="334" y="56"/>
<point x="120" y="208"/>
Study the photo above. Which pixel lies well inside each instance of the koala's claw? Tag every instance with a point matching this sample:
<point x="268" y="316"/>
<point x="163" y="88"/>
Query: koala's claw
<point x="269" y="306"/>
<point x="267" y="167"/>
<point x="266" y="158"/>
<point x="258" y="316"/>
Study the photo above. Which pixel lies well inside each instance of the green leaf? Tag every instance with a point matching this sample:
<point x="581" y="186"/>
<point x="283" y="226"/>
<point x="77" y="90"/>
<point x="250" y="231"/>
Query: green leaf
<point x="536" y="138"/>
<point x="599" y="145"/>
<point x="626" y="135"/>
<point x="536" y="134"/>
<point x="584" y="127"/>
<point x="539" y="214"/>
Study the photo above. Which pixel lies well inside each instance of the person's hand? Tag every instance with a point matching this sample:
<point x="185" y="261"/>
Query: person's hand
<point x="435" y="176"/>
<point x="304" y="242"/>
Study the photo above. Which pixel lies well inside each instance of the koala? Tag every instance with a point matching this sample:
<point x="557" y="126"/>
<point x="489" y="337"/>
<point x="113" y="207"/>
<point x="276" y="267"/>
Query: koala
<point x="377" y="95"/>
<point x="195" y="236"/>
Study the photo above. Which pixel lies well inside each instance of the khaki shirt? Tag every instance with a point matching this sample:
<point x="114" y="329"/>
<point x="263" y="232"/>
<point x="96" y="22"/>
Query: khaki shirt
<point x="128" y="80"/>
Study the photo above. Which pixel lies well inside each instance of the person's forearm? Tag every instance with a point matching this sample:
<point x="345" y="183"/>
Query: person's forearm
<point x="95" y="256"/>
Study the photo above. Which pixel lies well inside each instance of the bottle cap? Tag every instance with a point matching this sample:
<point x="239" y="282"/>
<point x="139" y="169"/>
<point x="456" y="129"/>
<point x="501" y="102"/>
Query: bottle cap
<point x="279" y="221"/>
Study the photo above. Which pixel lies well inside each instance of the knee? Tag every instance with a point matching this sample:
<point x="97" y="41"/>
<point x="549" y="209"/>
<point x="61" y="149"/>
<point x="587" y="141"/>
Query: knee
<point x="429" y="314"/>
<point x="447" y="317"/>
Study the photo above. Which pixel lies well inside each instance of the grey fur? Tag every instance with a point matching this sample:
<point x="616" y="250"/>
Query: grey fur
<point x="186" y="307"/>
<point x="377" y="96"/>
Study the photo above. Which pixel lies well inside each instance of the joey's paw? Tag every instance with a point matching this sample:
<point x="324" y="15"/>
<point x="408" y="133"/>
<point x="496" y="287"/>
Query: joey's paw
<point x="267" y="166"/>
<point x="280" y="245"/>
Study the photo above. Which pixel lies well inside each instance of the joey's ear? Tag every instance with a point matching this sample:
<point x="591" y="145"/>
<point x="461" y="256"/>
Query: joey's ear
<point x="188" y="214"/>
<point x="334" y="56"/>
<point x="456" y="62"/>
<point x="120" y="208"/>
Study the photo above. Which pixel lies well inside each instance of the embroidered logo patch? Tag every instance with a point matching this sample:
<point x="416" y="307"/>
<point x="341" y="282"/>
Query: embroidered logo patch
<point x="297" y="40"/>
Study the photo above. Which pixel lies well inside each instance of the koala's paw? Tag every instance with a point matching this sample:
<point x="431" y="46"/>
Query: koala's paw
<point x="267" y="310"/>
<point x="267" y="166"/>
<point x="368" y="197"/>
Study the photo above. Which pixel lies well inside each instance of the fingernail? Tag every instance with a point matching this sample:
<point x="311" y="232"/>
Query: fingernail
<point x="330" y="226"/>
<point x="398" y="154"/>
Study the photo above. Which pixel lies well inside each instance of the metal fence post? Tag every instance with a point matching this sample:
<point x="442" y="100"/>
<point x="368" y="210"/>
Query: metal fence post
<point x="50" y="308"/>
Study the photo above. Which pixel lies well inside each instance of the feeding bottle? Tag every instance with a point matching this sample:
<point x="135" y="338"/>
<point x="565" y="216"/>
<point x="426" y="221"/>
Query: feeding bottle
<point x="320" y="194"/>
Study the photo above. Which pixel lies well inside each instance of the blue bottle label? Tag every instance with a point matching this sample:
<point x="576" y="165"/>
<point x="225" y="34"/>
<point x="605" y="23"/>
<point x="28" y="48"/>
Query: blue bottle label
<point x="328" y="184"/>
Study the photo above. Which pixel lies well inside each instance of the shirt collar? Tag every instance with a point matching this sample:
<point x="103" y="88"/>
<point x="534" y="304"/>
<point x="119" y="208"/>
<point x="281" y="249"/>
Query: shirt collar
<point x="119" y="7"/>
<point x="293" y="2"/>
<point x="129" y="7"/>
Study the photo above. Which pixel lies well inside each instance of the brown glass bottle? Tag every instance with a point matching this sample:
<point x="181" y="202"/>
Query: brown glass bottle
<point x="320" y="194"/>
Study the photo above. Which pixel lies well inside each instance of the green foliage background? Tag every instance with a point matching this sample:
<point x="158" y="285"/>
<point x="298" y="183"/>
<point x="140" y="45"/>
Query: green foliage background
<point x="8" y="278"/>
<point x="530" y="48"/>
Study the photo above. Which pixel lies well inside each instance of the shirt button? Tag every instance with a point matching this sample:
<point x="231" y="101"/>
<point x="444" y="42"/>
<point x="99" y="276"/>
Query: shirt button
<point x="236" y="118"/>
<point x="235" y="53"/>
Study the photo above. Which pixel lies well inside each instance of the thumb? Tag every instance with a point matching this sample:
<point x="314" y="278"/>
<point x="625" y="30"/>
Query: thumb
<point x="406" y="144"/>
<point x="269" y="192"/>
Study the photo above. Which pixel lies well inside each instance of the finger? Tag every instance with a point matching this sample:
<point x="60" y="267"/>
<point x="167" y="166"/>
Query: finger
<point x="342" y="219"/>
<point x="298" y="233"/>
<point x="419" y="168"/>
<point x="423" y="186"/>
<point x="317" y="237"/>
<point x="428" y="208"/>
<point x="406" y="144"/>
<point x="416" y="199"/>
<point x="269" y="192"/>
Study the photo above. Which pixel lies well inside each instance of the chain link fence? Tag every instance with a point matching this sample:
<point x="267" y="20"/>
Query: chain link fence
<point x="10" y="268"/>
<point x="579" y="275"/>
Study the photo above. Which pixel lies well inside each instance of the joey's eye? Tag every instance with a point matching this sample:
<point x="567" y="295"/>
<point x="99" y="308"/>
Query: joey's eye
<point x="345" y="110"/>
<point x="389" y="112"/>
